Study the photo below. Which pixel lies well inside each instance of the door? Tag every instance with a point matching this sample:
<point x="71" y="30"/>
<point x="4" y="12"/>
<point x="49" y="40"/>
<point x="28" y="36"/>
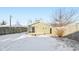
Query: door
<point x="33" y="29"/>
<point x="50" y="30"/>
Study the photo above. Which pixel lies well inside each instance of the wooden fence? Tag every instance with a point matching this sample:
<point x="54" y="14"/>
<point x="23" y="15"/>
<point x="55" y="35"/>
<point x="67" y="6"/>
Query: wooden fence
<point x="11" y="30"/>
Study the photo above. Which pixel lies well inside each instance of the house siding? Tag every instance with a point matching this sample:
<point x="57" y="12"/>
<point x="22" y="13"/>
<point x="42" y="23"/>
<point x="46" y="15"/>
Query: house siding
<point x="41" y="28"/>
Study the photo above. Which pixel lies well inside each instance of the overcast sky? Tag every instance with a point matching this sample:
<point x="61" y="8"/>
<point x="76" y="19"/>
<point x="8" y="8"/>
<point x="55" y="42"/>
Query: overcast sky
<point x="25" y="14"/>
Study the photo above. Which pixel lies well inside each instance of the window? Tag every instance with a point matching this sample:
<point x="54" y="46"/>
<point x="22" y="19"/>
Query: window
<point x="33" y="29"/>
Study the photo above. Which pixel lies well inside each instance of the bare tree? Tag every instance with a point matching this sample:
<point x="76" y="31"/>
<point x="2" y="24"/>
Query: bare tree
<point x="18" y="24"/>
<point x="62" y="19"/>
<point x="3" y="23"/>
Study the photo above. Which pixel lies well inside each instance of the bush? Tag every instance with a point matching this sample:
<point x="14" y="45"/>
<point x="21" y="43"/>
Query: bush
<point x="59" y="32"/>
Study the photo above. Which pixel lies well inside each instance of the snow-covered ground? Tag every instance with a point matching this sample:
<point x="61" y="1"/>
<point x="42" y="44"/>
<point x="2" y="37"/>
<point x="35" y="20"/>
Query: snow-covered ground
<point x="24" y="42"/>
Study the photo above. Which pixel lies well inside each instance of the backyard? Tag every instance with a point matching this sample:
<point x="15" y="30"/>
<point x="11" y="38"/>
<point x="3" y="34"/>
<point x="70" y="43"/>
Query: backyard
<point x="25" y="42"/>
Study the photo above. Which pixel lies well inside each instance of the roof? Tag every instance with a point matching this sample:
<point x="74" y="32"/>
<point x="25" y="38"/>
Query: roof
<point x="34" y="23"/>
<point x="40" y="22"/>
<point x="4" y="25"/>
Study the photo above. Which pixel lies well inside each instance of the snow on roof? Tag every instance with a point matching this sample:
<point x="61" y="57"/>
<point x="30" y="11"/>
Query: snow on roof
<point x="11" y="26"/>
<point x="37" y="22"/>
<point x="4" y="26"/>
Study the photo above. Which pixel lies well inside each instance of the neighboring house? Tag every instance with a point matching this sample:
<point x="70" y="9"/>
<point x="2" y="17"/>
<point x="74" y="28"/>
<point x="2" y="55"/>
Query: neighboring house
<point x="41" y="28"/>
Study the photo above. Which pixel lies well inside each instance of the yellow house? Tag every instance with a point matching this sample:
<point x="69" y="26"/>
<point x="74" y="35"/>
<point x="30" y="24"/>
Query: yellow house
<point x="41" y="28"/>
